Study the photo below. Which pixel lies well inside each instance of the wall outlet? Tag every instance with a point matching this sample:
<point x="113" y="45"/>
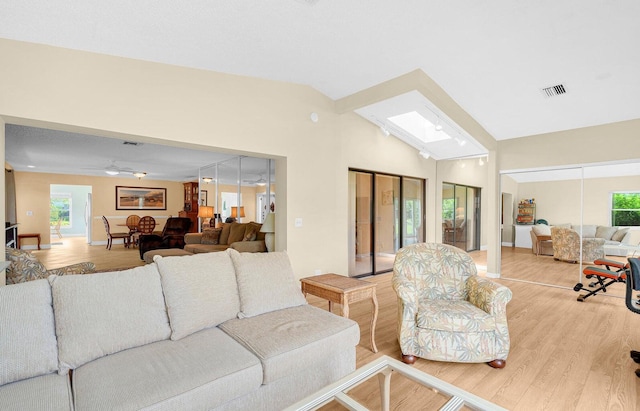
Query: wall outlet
<point x="298" y="222"/>
<point x="30" y="213"/>
<point x="317" y="271"/>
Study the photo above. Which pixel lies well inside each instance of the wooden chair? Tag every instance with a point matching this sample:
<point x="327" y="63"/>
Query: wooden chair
<point x="145" y="227"/>
<point x="110" y="236"/>
<point x="132" y="224"/>
<point x="56" y="228"/>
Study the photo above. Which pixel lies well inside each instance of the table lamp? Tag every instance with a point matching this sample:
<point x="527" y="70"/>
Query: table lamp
<point x="205" y="212"/>
<point x="234" y="212"/>
<point x="269" y="228"/>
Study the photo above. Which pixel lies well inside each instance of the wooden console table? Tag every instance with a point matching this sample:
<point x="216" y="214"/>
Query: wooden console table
<point x="28" y="235"/>
<point x="344" y="291"/>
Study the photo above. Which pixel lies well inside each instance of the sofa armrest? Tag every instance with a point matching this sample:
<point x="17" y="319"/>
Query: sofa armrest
<point x="487" y="295"/>
<point x="193" y="238"/>
<point x="407" y="311"/>
<point x="257" y="246"/>
<point x="79" y="268"/>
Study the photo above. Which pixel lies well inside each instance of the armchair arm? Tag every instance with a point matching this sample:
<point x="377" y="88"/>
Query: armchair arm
<point x="257" y="246"/>
<point x="407" y="311"/>
<point x="79" y="268"/>
<point x="487" y="295"/>
<point x="193" y="238"/>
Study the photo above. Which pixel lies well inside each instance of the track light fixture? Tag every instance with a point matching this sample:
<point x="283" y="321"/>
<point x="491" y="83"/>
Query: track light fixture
<point x="384" y="131"/>
<point x="424" y="154"/>
<point x="461" y="141"/>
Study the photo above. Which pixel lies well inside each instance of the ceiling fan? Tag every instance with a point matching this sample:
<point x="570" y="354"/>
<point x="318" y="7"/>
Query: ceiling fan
<point x="259" y="182"/>
<point x="113" y="170"/>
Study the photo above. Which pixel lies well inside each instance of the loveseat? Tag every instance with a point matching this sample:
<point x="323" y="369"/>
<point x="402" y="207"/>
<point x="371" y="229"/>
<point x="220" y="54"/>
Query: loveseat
<point x="215" y="331"/>
<point x="243" y="237"/>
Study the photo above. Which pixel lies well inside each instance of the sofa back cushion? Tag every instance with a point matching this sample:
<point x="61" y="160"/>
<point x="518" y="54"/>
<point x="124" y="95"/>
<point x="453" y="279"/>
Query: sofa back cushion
<point x="265" y="282"/>
<point x="27" y="331"/>
<point x="236" y="232"/>
<point x="200" y="291"/>
<point x="541" y="229"/>
<point x="605" y="232"/>
<point x="103" y="313"/>
<point x="588" y="230"/>
<point x="224" y="234"/>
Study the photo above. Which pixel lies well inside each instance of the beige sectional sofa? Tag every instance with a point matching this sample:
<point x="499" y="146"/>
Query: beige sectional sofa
<point x="606" y="237"/>
<point x="215" y="331"/>
<point x="243" y="237"/>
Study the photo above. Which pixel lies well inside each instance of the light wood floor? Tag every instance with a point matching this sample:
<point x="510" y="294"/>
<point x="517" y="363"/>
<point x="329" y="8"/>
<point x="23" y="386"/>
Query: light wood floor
<point x="565" y="355"/>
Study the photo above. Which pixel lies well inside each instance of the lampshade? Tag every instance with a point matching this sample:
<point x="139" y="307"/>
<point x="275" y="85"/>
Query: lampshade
<point x="234" y="212"/>
<point x="269" y="224"/>
<point x="205" y="211"/>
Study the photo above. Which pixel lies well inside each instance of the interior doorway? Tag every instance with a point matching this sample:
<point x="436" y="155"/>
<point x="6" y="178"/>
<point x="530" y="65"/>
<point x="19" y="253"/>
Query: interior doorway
<point x="69" y="212"/>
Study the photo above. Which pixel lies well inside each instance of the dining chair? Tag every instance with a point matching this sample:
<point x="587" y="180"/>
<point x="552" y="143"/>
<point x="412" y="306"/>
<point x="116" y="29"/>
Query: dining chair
<point x="110" y="236"/>
<point x="132" y="224"/>
<point x="145" y="226"/>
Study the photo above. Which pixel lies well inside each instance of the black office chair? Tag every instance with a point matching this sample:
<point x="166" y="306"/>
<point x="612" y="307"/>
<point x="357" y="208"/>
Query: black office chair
<point x="633" y="284"/>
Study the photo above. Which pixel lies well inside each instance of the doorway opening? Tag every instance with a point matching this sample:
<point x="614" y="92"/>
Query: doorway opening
<point x="69" y="212"/>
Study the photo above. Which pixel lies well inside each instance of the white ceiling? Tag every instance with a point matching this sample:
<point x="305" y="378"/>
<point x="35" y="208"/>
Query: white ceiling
<point x="493" y="58"/>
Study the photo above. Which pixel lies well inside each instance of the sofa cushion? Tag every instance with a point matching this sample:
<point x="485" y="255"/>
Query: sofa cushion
<point x="211" y="236"/>
<point x="200" y="291"/>
<point x="103" y="313"/>
<point x="265" y="282"/>
<point x="26" y="316"/>
<point x="293" y="339"/>
<point x="251" y="232"/>
<point x="453" y="316"/>
<point x="224" y="234"/>
<point x="198" y="372"/>
<point x="605" y="232"/>
<point x="24" y="266"/>
<point x="588" y="230"/>
<point x="620" y="234"/>
<point x="51" y="392"/>
<point x="541" y="229"/>
<point x="236" y="232"/>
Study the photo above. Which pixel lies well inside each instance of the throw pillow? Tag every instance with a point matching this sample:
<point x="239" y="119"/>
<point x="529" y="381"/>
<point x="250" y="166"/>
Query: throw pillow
<point x="265" y="282"/>
<point x="251" y="233"/>
<point x="211" y="236"/>
<point x="619" y="234"/>
<point x="236" y="232"/>
<point x="605" y="232"/>
<point x="541" y="229"/>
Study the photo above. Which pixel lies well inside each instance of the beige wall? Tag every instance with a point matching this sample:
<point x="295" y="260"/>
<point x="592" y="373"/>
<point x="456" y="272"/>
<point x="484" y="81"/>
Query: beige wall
<point x="32" y="194"/>
<point x="102" y="95"/>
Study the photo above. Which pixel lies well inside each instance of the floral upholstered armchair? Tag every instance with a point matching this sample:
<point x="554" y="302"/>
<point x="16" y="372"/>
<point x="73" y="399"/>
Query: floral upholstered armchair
<point x="446" y="312"/>
<point x="26" y="267"/>
<point x="566" y="246"/>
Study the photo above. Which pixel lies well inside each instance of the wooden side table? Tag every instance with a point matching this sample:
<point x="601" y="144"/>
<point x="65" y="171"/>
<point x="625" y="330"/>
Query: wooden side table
<point x="28" y="235"/>
<point x="540" y="239"/>
<point x="344" y="291"/>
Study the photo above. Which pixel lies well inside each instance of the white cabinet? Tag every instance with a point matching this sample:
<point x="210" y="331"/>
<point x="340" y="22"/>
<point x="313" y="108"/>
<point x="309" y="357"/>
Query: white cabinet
<point x="523" y="236"/>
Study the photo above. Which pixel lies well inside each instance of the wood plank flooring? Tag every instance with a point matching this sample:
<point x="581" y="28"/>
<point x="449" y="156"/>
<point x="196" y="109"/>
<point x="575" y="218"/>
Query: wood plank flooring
<point x="565" y="355"/>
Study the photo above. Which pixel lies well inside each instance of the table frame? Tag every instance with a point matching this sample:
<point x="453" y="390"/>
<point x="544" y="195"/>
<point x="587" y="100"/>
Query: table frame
<point x="28" y="235"/>
<point x="344" y="291"/>
<point x="384" y="367"/>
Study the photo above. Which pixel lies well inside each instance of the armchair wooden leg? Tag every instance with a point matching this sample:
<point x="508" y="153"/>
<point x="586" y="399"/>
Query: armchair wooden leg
<point x="497" y="363"/>
<point x="408" y="359"/>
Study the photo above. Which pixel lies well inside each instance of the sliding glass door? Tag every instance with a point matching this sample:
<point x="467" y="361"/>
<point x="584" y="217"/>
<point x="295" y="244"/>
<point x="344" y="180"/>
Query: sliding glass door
<point x="386" y="212"/>
<point x="461" y="216"/>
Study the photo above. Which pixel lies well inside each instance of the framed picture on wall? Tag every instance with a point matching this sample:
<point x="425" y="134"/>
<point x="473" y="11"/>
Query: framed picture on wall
<point x="203" y="197"/>
<point x="141" y="198"/>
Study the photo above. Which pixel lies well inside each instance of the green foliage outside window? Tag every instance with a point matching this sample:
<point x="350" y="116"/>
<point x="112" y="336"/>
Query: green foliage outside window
<point x="60" y="208"/>
<point x="625" y="209"/>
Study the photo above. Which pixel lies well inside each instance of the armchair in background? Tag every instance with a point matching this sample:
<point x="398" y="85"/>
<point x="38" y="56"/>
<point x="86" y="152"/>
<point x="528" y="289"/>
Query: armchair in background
<point x="446" y="311"/>
<point x="566" y="246"/>
<point x="172" y="236"/>
<point x="24" y="267"/>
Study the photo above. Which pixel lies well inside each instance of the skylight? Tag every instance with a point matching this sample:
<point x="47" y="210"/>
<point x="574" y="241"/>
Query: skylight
<point x="418" y="126"/>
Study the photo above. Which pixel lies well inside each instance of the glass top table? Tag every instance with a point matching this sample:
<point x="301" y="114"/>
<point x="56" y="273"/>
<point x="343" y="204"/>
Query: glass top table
<point x="384" y="367"/>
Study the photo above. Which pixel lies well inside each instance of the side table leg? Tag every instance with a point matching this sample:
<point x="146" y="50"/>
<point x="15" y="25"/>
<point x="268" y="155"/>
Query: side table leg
<point x="345" y="308"/>
<point x="384" y="379"/>
<point x="374" y="319"/>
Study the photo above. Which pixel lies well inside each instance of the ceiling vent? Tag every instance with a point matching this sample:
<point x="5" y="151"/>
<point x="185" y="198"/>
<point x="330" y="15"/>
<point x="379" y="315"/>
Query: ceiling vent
<point x="308" y="2"/>
<point x="131" y="143"/>
<point x="554" y="90"/>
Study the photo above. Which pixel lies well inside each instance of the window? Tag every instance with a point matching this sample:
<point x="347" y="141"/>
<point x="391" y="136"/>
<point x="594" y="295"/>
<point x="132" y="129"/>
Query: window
<point x="60" y="209"/>
<point x="625" y="209"/>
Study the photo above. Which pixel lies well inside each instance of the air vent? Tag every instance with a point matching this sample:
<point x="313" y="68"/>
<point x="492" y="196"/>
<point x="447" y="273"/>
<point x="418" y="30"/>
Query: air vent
<point x="554" y="90"/>
<point x="132" y="143"/>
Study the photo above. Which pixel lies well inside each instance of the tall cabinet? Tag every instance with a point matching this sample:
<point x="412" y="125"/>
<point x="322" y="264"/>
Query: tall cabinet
<point x="191" y="195"/>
